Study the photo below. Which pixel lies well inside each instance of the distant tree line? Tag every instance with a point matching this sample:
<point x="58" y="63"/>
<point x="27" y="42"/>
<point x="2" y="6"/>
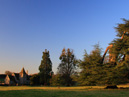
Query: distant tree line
<point x="93" y="69"/>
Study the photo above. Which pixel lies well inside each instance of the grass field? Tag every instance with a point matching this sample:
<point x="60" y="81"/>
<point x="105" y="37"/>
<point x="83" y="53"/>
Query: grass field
<point x="87" y="91"/>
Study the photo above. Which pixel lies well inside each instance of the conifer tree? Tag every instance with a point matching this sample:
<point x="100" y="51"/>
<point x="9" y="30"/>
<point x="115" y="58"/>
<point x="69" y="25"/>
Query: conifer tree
<point x="95" y="73"/>
<point x="121" y="44"/>
<point x="121" y="50"/>
<point x="91" y="67"/>
<point x="45" y="68"/>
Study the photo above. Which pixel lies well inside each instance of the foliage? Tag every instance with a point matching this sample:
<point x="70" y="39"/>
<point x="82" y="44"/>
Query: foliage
<point x="67" y="67"/>
<point x="122" y="27"/>
<point x="94" y="73"/>
<point x="8" y="72"/>
<point x="121" y="44"/>
<point x="57" y="80"/>
<point x="45" y="68"/>
<point x="121" y="50"/>
<point x="114" y="74"/>
<point x="91" y="67"/>
<point x="35" y="79"/>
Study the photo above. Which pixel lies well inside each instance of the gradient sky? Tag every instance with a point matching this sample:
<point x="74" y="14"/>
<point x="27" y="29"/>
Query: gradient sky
<point x="28" y="27"/>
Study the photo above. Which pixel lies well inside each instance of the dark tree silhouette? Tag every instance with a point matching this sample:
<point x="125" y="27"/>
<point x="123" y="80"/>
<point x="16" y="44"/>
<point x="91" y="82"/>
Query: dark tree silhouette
<point x="67" y="66"/>
<point x="45" y="68"/>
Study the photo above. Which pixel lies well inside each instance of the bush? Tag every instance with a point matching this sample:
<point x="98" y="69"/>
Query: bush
<point x="34" y="80"/>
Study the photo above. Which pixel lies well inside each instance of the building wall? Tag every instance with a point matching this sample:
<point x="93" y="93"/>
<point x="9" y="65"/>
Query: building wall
<point x="7" y="80"/>
<point x="23" y="79"/>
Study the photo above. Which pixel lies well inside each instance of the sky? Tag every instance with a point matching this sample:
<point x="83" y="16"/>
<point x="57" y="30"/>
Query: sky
<point x="28" y="27"/>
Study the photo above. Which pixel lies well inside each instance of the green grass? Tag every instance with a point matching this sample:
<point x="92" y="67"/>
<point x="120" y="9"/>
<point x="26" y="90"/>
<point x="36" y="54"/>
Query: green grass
<point x="26" y="91"/>
<point x="60" y="93"/>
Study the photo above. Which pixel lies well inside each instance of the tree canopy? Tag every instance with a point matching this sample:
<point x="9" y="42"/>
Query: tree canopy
<point x="94" y="72"/>
<point x="67" y="66"/>
<point x="45" y="68"/>
<point x="93" y="69"/>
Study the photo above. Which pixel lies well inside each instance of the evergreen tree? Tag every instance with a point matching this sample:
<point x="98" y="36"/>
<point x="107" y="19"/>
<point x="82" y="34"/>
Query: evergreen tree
<point x="120" y="73"/>
<point x="109" y="73"/>
<point x="67" y="66"/>
<point x="45" y="68"/>
<point x="91" y="67"/>
<point x="114" y="75"/>
<point x="121" y="44"/>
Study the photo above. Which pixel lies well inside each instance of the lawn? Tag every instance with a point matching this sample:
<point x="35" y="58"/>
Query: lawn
<point x="24" y="91"/>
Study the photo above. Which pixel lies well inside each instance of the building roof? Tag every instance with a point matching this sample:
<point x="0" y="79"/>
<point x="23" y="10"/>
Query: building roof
<point x="12" y="78"/>
<point x="17" y="76"/>
<point x="23" y="71"/>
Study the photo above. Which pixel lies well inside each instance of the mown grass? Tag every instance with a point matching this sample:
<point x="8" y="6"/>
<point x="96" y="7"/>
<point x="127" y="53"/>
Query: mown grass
<point x="62" y="93"/>
<point x="6" y="88"/>
<point x="88" y="91"/>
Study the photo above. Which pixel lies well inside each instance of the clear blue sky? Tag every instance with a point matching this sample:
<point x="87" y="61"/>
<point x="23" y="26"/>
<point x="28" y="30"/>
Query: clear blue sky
<point x="28" y="27"/>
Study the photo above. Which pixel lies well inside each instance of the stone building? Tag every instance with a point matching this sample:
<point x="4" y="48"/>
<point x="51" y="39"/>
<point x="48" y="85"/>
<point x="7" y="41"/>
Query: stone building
<point x="21" y="78"/>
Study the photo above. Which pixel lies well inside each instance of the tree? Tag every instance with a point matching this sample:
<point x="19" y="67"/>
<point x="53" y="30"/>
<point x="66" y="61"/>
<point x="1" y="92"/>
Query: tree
<point x="34" y="80"/>
<point x="8" y="72"/>
<point x="121" y="50"/>
<point x="119" y="73"/>
<point x="91" y="67"/>
<point x="110" y="74"/>
<point x="45" y="68"/>
<point x="57" y="80"/>
<point x="114" y="75"/>
<point x="121" y="44"/>
<point x="67" y="66"/>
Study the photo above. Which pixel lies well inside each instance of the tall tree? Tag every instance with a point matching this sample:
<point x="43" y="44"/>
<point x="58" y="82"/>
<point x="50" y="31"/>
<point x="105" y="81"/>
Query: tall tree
<point x="121" y="50"/>
<point x="45" y="68"/>
<point x="119" y="73"/>
<point x="116" y="70"/>
<point x="121" y="44"/>
<point x="91" y="67"/>
<point x="67" y="66"/>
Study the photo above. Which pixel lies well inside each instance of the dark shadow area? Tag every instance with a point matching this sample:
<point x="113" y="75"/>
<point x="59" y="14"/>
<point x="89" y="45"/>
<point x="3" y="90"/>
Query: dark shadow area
<point x="111" y="87"/>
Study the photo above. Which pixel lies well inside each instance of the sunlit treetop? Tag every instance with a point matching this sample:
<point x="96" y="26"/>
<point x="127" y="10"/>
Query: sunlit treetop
<point x="122" y="27"/>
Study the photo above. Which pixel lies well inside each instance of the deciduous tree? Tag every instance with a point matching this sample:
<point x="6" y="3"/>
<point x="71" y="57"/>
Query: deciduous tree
<point x="67" y="66"/>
